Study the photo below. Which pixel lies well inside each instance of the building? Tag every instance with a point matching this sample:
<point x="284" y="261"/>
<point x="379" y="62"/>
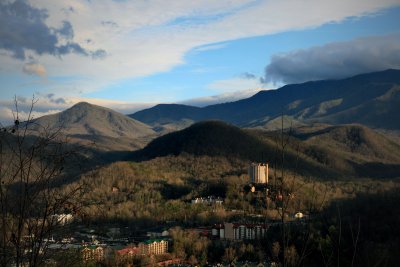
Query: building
<point x="240" y="231"/>
<point x="93" y="253"/>
<point x="218" y="231"/>
<point x="157" y="234"/>
<point x="62" y="219"/>
<point x="258" y="173"/>
<point x="210" y="200"/>
<point x="127" y="253"/>
<point x="149" y="247"/>
<point x="299" y="215"/>
<point x="202" y="231"/>
<point x="153" y="247"/>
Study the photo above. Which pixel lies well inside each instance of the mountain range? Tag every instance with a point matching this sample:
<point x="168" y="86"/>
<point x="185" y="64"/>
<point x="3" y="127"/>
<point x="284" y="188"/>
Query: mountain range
<point x="331" y="134"/>
<point x="371" y="99"/>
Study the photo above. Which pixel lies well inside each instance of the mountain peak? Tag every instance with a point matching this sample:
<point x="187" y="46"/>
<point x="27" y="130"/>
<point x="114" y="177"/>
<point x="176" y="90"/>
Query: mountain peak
<point x="84" y="118"/>
<point x="87" y="106"/>
<point x="83" y="104"/>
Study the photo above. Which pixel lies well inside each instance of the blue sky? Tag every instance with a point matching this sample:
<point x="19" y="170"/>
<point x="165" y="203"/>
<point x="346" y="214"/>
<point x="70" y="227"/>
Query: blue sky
<point x="233" y="59"/>
<point x="128" y="55"/>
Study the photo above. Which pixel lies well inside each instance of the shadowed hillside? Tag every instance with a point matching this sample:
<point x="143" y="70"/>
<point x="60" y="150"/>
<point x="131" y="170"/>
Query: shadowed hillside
<point x="215" y="138"/>
<point x="323" y="152"/>
<point x="354" y="149"/>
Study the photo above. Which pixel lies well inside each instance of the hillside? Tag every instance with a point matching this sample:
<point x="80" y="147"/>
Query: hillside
<point x="372" y="99"/>
<point x="216" y="138"/>
<point x="323" y="152"/>
<point x="90" y="123"/>
<point x="355" y="148"/>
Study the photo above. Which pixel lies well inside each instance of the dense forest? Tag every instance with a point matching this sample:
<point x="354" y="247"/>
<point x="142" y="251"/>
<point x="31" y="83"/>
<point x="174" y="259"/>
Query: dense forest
<point x="346" y="218"/>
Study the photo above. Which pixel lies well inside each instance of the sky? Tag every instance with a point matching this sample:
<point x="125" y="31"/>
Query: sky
<point x="130" y="55"/>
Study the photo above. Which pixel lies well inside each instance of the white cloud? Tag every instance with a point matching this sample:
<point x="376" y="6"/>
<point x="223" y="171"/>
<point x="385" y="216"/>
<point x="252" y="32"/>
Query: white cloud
<point x="336" y="60"/>
<point x="7" y="115"/>
<point x="153" y="36"/>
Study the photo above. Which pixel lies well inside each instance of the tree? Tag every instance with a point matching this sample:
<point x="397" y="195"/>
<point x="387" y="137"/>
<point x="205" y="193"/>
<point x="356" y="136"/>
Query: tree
<point x="287" y="184"/>
<point x="229" y="255"/>
<point x="32" y="166"/>
<point x="190" y="245"/>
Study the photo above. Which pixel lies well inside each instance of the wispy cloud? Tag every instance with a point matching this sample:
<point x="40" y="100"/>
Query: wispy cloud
<point x="221" y="98"/>
<point x="210" y="47"/>
<point x="146" y="41"/>
<point x="236" y="84"/>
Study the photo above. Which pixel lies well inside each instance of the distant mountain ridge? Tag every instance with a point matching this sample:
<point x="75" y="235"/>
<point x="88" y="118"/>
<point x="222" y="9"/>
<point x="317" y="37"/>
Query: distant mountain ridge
<point x="372" y="99"/>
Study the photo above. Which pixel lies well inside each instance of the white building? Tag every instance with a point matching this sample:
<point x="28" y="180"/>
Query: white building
<point x="210" y="200"/>
<point x="258" y="173"/>
<point x="239" y="231"/>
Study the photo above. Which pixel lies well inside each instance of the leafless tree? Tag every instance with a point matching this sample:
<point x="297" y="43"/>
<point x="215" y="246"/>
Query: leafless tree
<point x="287" y="184"/>
<point x="31" y="166"/>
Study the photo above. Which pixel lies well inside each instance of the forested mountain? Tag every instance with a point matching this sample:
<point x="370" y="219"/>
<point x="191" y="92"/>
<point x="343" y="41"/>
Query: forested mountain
<point x="325" y="151"/>
<point x="371" y="99"/>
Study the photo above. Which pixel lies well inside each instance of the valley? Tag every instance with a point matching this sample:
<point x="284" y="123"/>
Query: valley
<point x="185" y="171"/>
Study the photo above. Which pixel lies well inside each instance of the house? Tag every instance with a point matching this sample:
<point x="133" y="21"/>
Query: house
<point x="158" y="234"/>
<point x="218" y="231"/>
<point x="127" y="253"/>
<point x="210" y="200"/>
<point x="202" y="231"/>
<point x="299" y="215"/>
